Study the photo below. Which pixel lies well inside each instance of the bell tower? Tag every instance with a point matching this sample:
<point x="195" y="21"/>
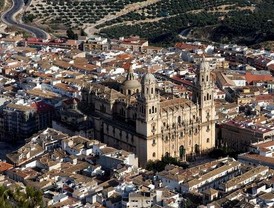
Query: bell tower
<point x="204" y="88"/>
<point x="147" y="105"/>
<point x="203" y="97"/>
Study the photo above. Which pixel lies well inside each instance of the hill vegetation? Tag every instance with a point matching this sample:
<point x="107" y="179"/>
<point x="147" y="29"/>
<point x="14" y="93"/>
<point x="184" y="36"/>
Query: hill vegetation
<point x="2" y="3"/>
<point x="241" y="21"/>
<point x="21" y="198"/>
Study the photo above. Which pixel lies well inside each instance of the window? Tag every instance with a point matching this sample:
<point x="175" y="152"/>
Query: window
<point x="151" y="90"/>
<point x="207" y="115"/>
<point x="207" y="140"/>
<point x="197" y="148"/>
<point x="153" y="154"/>
<point x="149" y="111"/>
<point x="179" y="119"/>
<point x="152" y="109"/>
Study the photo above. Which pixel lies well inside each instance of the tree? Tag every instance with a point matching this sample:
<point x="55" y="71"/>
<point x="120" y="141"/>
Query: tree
<point x="159" y="165"/>
<point x="71" y="34"/>
<point x="82" y="32"/>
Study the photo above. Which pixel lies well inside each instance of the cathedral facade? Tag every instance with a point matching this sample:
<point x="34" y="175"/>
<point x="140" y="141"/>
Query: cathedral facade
<point x="137" y="118"/>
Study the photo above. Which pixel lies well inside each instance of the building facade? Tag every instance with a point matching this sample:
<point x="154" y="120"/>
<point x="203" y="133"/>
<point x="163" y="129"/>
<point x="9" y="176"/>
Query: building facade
<point x="137" y="118"/>
<point x="20" y="121"/>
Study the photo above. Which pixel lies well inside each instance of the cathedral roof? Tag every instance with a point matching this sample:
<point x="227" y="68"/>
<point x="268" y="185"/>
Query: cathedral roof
<point x="176" y="102"/>
<point x="131" y="82"/>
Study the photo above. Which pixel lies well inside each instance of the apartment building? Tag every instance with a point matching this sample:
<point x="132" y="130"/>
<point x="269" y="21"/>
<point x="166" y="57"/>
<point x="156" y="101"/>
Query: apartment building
<point x="247" y="177"/>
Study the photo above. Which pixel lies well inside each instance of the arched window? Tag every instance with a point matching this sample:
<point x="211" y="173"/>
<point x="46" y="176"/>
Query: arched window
<point x="152" y="109"/>
<point x="179" y="119"/>
<point x="152" y="90"/>
<point x="182" y="151"/>
<point x="153" y="154"/>
<point x="207" y="78"/>
<point x="197" y="148"/>
<point x="207" y="96"/>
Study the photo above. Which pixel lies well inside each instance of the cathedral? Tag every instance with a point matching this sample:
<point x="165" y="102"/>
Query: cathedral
<point x="138" y="119"/>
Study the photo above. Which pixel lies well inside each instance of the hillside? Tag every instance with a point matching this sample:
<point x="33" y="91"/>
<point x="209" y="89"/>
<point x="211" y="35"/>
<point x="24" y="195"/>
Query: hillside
<point x="159" y="20"/>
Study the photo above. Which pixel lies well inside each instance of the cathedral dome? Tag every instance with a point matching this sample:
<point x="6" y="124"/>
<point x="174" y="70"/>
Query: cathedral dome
<point x="131" y="84"/>
<point x="148" y="79"/>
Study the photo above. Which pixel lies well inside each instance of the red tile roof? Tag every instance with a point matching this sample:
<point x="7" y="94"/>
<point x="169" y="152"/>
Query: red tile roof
<point x="257" y="77"/>
<point x="42" y="106"/>
<point x="5" y="166"/>
<point x="187" y="46"/>
<point x="267" y="97"/>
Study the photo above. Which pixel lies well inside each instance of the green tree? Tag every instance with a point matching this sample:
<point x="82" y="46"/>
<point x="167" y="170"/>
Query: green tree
<point x="71" y="34"/>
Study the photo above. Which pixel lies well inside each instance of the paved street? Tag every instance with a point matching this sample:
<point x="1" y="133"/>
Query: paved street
<point x="8" y="17"/>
